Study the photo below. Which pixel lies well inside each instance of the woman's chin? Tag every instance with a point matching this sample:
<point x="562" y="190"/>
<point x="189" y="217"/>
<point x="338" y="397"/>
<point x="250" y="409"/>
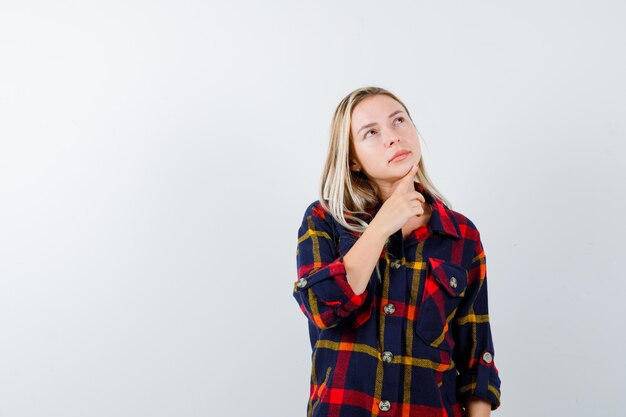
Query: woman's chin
<point x="402" y="165"/>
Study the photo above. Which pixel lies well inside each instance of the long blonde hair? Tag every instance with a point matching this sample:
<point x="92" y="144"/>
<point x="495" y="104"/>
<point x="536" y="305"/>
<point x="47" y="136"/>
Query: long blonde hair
<point x="349" y="193"/>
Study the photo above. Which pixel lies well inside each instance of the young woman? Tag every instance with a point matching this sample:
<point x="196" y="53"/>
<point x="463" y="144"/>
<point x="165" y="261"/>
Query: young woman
<point x="391" y="279"/>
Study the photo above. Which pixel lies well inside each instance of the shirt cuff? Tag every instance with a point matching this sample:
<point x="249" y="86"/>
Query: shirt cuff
<point x="483" y="383"/>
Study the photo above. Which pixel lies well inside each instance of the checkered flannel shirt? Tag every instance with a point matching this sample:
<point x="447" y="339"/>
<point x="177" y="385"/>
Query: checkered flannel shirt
<point x="416" y="343"/>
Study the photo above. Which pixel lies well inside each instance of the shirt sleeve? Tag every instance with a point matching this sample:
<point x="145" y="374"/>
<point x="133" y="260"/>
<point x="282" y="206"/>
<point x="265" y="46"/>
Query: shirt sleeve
<point x="322" y="289"/>
<point x="473" y="350"/>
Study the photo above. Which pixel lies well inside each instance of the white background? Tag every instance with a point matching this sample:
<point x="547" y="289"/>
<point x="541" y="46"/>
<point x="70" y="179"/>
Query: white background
<point x="156" y="158"/>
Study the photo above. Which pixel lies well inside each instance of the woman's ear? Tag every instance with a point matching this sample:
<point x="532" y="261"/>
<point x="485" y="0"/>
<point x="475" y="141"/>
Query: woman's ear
<point x="354" y="166"/>
<point x="357" y="170"/>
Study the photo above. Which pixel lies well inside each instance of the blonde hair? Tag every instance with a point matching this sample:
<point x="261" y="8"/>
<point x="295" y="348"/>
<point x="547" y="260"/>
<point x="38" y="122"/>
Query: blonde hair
<point x="349" y="193"/>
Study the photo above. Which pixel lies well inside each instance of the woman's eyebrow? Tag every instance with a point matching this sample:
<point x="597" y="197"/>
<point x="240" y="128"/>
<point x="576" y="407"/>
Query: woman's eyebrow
<point x="372" y="124"/>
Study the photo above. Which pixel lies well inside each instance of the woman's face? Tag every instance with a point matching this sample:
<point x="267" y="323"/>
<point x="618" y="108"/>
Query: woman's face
<point x="380" y="127"/>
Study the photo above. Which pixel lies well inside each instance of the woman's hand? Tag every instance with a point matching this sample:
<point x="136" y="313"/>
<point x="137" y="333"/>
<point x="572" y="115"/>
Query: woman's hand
<point x="403" y="203"/>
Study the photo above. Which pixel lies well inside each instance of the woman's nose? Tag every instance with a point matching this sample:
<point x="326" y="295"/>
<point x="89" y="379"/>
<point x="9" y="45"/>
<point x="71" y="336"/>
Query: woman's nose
<point x="392" y="137"/>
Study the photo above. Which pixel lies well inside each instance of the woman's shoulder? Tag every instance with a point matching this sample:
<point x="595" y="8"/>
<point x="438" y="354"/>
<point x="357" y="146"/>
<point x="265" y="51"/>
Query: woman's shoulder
<point x="470" y="234"/>
<point x="465" y="225"/>
<point x="316" y="213"/>
<point x="315" y="208"/>
<point x="464" y="219"/>
<point x="317" y="218"/>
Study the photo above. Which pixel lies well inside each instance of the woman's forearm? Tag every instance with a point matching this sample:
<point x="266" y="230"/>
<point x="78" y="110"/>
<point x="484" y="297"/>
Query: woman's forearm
<point x="478" y="408"/>
<point x="363" y="257"/>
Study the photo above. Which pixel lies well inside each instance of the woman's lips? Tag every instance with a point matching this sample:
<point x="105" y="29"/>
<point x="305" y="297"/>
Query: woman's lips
<point x="400" y="157"/>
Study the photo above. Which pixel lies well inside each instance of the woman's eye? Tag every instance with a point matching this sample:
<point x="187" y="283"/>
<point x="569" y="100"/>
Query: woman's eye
<point x="399" y="118"/>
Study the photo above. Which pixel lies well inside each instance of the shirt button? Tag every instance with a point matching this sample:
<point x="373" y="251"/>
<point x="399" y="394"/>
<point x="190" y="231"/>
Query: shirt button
<point x="487" y="357"/>
<point x="301" y="283"/>
<point x="396" y="264"/>
<point x="387" y="356"/>
<point x="389" y="308"/>
<point x="384" y="405"/>
<point x="453" y="282"/>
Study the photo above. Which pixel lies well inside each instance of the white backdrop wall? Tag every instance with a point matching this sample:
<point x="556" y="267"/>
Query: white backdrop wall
<point x="156" y="159"/>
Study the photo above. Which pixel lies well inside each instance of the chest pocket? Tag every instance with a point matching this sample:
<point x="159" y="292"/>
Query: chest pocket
<point x="444" y="288"/>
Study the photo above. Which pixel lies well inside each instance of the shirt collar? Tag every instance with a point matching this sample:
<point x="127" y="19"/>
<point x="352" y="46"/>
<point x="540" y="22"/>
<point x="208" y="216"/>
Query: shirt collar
<point x="442" y="219"/>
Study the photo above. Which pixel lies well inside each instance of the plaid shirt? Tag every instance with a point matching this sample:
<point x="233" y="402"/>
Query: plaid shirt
<point x="416" y="343"/>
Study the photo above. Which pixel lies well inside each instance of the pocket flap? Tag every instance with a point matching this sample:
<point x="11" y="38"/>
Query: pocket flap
<point x="451" y="277"/>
